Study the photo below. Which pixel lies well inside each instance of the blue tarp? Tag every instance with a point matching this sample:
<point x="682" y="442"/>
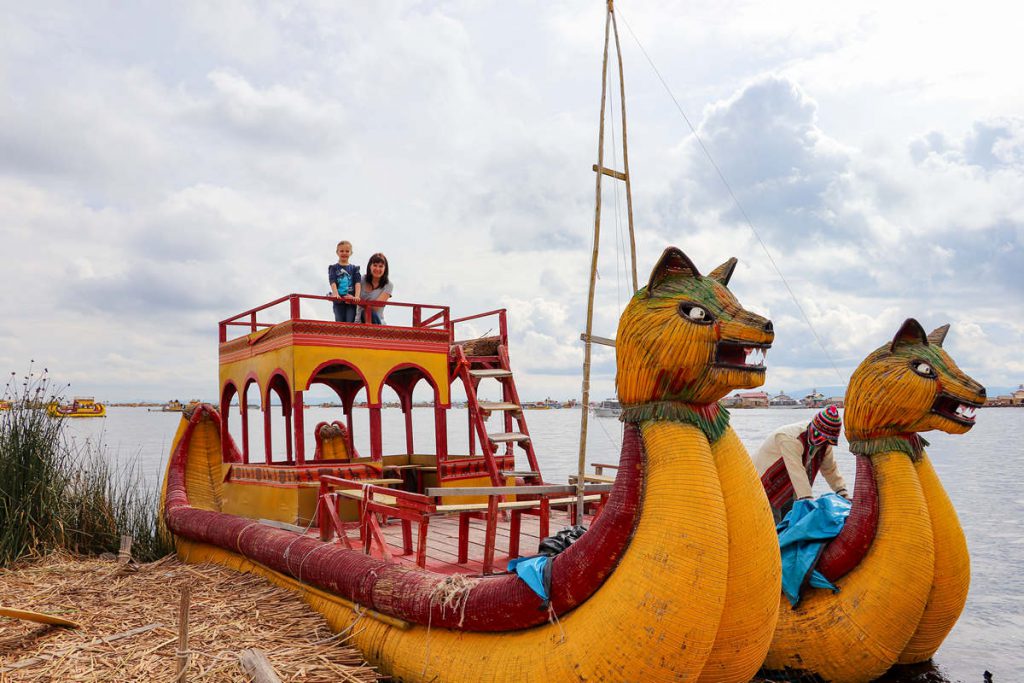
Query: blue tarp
<point x="532" y="570"/>
<point x="802" y="534"/>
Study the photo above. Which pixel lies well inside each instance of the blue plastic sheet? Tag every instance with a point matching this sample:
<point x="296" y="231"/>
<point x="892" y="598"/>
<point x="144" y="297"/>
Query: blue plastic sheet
<point x="531" y="570"/>
<point x="802" y="534"/>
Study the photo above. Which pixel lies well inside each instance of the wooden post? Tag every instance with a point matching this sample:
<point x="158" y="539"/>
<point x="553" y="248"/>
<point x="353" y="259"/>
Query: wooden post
<point x="243" y="405"/>
<point x="625" y="150"/>
<point x="298" y="421"/>
<point x="585" y="408"/>
<point x="124" y="555"/>
<point x="255" y="663"/>
<point x="624" y="176"/>
<point x="376" y="441"/>
<point x="182" y="654"/>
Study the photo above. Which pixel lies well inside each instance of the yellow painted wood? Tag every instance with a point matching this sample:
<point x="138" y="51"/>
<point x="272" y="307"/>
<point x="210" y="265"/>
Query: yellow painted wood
<point x="952" y="570"/>
<point x="654" y="619"/>
<point x="854" y="636"/>
<point x="299" y="362"/>
<point x="37" y="617"/>
<point x="755" y="570"/>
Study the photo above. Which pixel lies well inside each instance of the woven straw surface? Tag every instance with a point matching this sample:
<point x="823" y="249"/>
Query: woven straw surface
<point x="228" y="613"/>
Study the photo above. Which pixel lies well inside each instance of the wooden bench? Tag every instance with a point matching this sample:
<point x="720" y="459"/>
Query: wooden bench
<point x="376" y="501"/>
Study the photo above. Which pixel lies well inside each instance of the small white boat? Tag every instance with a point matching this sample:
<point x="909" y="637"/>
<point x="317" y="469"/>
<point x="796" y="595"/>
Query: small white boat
<point x="607" y="408"/>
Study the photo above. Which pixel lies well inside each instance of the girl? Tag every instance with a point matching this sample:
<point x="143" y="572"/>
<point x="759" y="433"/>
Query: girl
<point x="376" y="287"/>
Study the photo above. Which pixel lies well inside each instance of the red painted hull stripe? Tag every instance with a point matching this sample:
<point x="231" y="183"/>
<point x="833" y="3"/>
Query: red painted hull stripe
<point x="498" y="603"/>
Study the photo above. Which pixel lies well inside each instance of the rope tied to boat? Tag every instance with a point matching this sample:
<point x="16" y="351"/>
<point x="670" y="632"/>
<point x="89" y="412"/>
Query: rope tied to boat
<point x="452" y="594"/>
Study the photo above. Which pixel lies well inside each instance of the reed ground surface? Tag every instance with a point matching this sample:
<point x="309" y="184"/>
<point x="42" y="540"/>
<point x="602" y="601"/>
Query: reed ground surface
<point x="229" y="613"/>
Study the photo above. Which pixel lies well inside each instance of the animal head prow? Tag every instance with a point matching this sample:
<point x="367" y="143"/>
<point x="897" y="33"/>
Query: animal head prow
<point x="910" y="385"/>
<point x="685" y="337"/>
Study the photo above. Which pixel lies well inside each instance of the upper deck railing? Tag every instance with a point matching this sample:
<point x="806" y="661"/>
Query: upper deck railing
<point x="288" y="308"/>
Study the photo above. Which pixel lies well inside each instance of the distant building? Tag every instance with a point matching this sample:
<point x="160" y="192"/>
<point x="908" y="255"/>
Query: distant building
<point x="837" y="401"/>
<point x="731" y="401"/>
<point x="753" y="399"/>
<point x="782" y="401"/>
<point x="1017" y="397"/>
<point x="815" y="399"/>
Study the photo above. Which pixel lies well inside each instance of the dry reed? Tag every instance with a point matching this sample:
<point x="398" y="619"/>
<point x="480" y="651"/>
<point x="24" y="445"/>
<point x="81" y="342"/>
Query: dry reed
<point x="229" y="613"/>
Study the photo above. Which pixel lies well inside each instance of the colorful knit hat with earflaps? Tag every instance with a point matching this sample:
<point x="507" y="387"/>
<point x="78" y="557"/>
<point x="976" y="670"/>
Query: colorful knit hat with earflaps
<point x="825" y="426"/>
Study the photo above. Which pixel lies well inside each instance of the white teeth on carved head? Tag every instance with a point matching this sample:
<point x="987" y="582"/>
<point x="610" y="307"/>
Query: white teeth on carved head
<point x="965" y="411"/>
<point x="754" y="356"/>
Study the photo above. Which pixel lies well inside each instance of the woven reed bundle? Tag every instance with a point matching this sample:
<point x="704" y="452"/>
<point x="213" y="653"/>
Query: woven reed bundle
<point x="229" y="613"/>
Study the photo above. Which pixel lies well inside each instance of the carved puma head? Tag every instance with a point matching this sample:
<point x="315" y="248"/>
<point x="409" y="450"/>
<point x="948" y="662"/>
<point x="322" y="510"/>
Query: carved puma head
<point x="685" y="337"/>
<point x="910" y="385"/>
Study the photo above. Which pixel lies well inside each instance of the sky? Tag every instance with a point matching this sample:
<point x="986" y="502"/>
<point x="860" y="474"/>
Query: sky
<point x="164" y="166"/>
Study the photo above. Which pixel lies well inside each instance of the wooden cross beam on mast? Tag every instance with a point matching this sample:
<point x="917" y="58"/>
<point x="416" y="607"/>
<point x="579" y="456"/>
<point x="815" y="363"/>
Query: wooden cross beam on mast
<point x="600" y="171"/>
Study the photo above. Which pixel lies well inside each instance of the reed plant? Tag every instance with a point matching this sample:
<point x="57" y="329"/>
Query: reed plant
<point x="56" y="494"/>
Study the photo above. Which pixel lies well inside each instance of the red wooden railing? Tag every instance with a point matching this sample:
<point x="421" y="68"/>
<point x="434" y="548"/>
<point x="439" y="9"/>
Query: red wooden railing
<point x="436" y="316"/>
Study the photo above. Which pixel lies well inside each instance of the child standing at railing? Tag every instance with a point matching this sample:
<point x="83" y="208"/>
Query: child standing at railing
<point x="345" y="284"/>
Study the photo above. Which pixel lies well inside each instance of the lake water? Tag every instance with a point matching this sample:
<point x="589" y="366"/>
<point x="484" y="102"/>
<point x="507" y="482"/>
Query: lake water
<point x="981" y="470"/>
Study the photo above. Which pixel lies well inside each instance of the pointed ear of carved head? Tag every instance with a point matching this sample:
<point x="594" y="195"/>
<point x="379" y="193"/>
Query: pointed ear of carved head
<point x="938" y="335"/>
<point x="910" y="385"/>
<point x="686" y="337"/>
<point x="910" y="332"/>
<point x="672" y="264"/>
<point x="723" y="273"/>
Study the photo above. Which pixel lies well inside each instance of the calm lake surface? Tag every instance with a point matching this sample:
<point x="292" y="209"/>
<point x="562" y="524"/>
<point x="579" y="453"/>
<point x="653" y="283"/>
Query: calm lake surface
<point x="982" y="471"/>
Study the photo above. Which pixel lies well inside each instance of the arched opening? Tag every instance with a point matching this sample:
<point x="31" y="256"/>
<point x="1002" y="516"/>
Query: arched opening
<point x="422" y="436"/>
<point x="278" y="385"/>
<point x="250" y="403"/>
<point x="346" y="381"/>
<point x="227" y="394"/>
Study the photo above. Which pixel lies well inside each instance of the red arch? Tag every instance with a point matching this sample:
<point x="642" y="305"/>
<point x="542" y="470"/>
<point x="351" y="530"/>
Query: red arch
<point x="265" y="391"/>
<point x="423" y="375"/>
<point x="346" y="363"/>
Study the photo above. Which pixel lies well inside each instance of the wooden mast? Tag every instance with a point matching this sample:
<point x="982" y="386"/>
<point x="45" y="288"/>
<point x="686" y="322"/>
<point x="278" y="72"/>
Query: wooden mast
<point x="600" y="170"/>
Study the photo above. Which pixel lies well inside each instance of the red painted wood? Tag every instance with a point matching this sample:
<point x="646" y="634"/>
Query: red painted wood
<point x="267" y="448"/>
<point x="300" y="437"/>
<point x="463" y="538"/>
<point x="376" y="438"/>
<point x="500" y="603"/>
<point x="847" y="549"/>
<point x="244" y="409"/>
<point x="515" y="528"/>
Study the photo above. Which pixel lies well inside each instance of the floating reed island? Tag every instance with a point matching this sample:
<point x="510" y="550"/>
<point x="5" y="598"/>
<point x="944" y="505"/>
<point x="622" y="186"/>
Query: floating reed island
<point x="128" y="617"/>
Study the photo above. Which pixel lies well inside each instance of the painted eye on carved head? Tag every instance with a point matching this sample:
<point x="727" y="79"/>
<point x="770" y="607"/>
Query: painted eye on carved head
<point x="924" y="369"/>
<point x="696" y="313"/>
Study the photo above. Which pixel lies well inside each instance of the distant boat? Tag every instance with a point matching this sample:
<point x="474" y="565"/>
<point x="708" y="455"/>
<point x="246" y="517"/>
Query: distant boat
<point x="174" y="406"/>
<point x="79" y="407"/>
<point x="607" y="408"/>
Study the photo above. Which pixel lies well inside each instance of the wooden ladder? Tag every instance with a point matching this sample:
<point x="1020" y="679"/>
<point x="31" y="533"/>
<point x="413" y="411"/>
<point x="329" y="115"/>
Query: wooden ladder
<point x="472" y="370"/>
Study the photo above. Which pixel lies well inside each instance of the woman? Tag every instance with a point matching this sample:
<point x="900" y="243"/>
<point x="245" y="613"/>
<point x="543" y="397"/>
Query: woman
<point x="376" y="287"/>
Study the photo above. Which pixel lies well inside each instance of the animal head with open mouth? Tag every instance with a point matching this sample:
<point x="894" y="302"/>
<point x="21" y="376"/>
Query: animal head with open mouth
<point x="684" y="337"/>
<point x="910" y="385"/>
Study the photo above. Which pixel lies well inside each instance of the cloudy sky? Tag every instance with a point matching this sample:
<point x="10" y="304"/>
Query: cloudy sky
<point x="166" y="165"/>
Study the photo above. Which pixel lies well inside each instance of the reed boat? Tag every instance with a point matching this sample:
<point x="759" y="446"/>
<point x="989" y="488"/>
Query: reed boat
<point x="675" y="578"/>
<point x="79" y="407"/>
<point x="174" y="406"/>
<point x="5" y="405"/>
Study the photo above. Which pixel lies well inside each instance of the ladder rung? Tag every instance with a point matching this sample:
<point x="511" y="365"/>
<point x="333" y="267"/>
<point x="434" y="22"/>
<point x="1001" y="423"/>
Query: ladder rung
<point x="489" y="405"/>
<point x="613" y="174"/>
<point x="520" y="474"/>
<point x="594" y="339"/>
<point x="507" y="437"/>
<point x="496" y="372"/>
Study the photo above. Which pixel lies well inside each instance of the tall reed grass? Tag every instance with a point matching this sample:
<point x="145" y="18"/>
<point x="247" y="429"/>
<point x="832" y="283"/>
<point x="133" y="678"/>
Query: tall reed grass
<point x="56" y="494"/>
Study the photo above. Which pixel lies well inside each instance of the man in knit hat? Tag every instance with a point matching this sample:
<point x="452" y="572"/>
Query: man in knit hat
<point x="790" y="459"/>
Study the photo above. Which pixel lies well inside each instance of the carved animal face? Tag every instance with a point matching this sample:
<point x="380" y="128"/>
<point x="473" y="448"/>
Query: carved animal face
<point x="685" y="337"/>
<point x="910" y="385"/>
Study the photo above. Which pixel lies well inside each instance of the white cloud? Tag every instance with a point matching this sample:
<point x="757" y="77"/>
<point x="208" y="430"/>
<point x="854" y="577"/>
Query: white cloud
<point x="164" y="167"/>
